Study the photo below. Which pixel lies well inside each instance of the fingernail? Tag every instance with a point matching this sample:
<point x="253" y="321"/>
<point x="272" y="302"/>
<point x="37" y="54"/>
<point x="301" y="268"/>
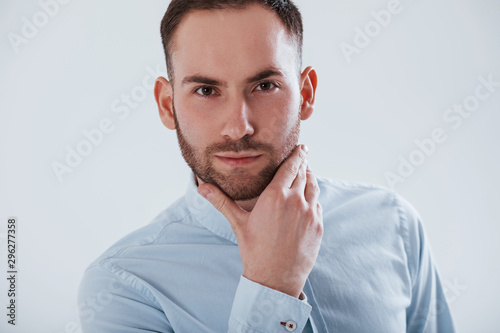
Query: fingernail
<point x="205" y="192"/>
<point x="304" y="148"/>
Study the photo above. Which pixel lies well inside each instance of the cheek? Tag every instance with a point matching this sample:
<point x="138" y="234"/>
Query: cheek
<point x="280" y="115"/>
<point x="196" y="128"/>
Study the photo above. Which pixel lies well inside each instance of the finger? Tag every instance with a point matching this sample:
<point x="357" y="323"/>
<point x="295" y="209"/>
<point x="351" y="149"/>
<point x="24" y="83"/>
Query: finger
<point x="288" y="170"/>
<point x="312" y="189"/>
<point x="300" y="181"/>
<point x="230" y="209"/>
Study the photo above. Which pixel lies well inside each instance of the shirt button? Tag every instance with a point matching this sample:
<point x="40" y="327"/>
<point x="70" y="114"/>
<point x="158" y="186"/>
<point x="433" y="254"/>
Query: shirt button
<point x="291" y="326"/>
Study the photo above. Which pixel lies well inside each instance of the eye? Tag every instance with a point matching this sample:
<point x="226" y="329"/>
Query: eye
<point x="265" y="86"/>
<point x="205" y="91"/>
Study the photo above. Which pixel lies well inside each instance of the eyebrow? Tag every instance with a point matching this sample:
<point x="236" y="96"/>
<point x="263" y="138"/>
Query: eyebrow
<point x="271" y="71"/>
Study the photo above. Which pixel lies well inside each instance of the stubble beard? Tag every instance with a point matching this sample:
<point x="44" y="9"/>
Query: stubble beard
<point x="239" y="185"/>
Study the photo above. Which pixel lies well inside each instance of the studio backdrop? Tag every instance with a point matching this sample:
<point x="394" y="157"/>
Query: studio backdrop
<point x="408" y="98"/>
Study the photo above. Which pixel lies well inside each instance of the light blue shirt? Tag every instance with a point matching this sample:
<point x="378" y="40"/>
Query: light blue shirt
<point x="182" y="273"/>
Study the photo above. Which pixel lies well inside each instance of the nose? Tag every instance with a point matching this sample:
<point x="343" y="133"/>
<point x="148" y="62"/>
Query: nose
<point x="238" y="120"/>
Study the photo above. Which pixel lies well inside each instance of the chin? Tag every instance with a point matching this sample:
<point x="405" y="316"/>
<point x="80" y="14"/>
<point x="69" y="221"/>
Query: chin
<point x="241" y="187"/>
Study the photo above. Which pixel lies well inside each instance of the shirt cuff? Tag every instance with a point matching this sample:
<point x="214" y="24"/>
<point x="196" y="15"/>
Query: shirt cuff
<point x="257" y="308"/>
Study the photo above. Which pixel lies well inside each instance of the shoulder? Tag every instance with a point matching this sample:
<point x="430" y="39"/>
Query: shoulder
<point x="369" y="203"/>
<point x="338" y="191"/>
<point x="118" y="268"/>
<point x="335" y="192"/>
<point x="148" y="235"/>
<point x="374" y="210"/>
<point x="348" y="185"/>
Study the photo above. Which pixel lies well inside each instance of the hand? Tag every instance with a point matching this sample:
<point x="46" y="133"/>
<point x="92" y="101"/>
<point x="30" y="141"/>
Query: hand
<point x="279" y="239"/>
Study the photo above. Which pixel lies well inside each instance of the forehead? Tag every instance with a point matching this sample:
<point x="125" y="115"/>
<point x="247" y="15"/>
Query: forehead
<point x="232" y="43"/>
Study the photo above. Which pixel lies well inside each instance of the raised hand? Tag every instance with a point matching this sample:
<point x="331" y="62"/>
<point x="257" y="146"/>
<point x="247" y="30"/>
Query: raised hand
<point x="279" y="239"/>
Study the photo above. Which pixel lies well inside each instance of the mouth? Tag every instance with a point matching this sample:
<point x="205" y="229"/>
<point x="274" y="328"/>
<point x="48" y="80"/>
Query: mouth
<point x="235" y="160"/>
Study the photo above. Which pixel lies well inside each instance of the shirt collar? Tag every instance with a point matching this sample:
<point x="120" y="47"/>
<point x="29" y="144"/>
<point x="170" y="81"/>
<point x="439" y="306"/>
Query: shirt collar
<point x="206" y="214"/>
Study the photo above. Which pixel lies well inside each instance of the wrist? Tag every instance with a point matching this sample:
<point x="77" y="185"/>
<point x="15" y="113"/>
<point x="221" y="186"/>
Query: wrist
<point x="283" y="285"/>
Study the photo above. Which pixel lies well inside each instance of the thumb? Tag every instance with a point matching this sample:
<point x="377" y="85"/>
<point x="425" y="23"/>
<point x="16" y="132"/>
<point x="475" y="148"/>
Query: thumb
<point x="230" y="209"/>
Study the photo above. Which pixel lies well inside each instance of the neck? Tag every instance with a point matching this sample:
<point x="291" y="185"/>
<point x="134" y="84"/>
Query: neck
<point x="245" y="204"/>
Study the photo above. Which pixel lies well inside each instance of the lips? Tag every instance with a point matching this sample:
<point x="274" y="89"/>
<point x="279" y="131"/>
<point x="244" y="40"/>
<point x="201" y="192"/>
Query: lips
<point x="237" y="159"/>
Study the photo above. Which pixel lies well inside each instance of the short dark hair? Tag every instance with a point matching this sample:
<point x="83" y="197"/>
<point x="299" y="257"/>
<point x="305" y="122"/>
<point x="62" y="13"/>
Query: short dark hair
<point x="286" y="10"/>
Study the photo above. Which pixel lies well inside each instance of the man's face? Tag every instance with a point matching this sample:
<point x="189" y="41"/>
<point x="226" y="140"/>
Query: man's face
<point x="236" y="97"/>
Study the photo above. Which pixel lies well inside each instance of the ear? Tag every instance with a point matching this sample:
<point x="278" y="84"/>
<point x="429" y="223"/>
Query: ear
<point x="164" y="99"/>
<point x="308" y="84"/>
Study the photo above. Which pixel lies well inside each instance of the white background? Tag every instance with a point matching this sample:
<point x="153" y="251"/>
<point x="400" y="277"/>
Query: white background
<point x="67" y="77"/>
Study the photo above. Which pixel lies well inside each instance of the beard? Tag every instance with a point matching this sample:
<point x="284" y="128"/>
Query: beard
<point x="239" y="184"/>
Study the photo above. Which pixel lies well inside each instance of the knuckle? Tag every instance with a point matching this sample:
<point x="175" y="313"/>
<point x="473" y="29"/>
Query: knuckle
<point x="314" y="185"/>
<point x="278" y="193"/>
<point x="220" y="203"/>
<point x="319" y="212"/>
<point x="300" y="152"/>
<point x="319" y="209"/>
<point x="302" y="171"/>
<point x="320" y="229"/>
<point x="291" y="169"/>
<point x="302" y="155"/>
<point x="298" y="202"/>
<point x="310" y="216"/>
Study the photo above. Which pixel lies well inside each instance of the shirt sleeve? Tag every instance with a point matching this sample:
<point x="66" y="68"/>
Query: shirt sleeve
<point x="113" y="303"/>
<point x="428" y="311"/>
<point x="259" y="309"/>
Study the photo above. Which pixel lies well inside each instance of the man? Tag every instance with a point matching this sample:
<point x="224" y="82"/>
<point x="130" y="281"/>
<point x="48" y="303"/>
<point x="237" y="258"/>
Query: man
<point x="257" y="243"/>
